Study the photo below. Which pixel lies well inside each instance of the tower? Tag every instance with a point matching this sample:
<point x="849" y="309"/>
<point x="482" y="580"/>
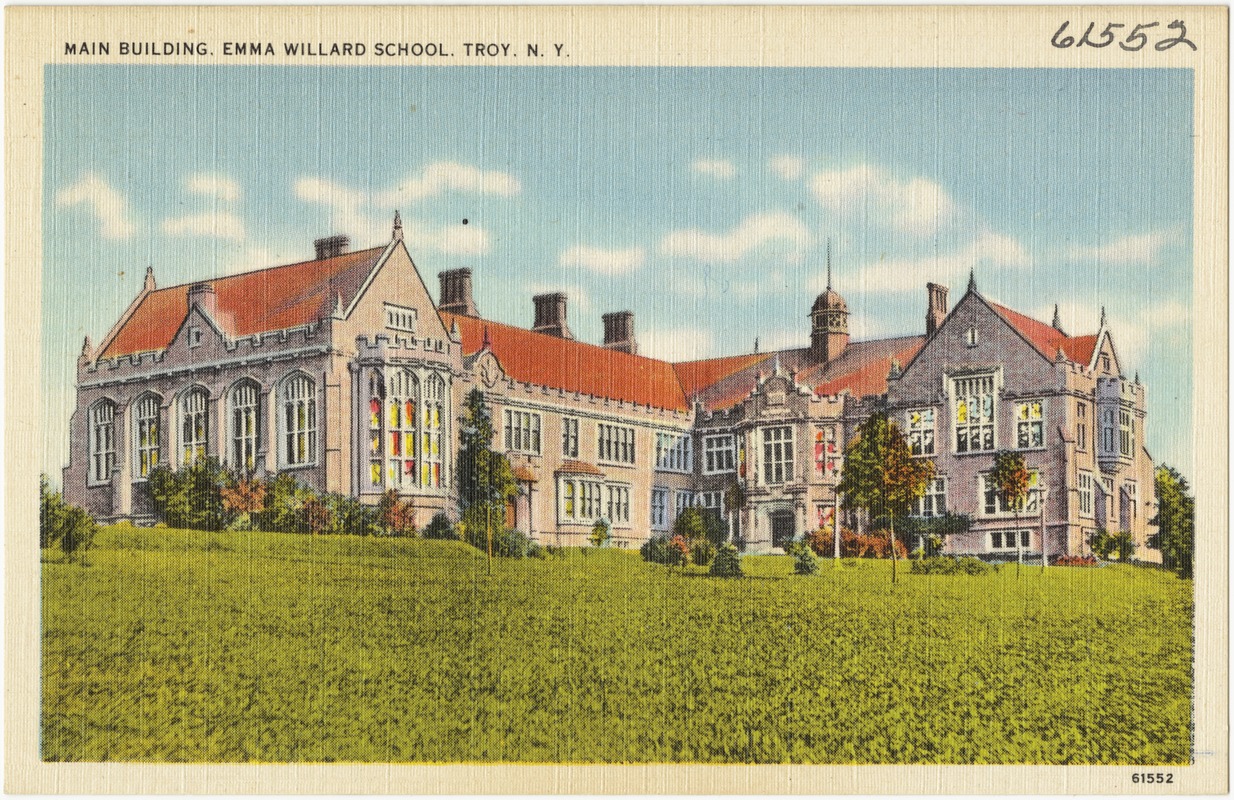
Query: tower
<point x="829" y="322"/>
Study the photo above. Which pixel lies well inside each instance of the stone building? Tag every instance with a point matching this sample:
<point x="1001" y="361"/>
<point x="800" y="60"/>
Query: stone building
<point x="343" y="372"/>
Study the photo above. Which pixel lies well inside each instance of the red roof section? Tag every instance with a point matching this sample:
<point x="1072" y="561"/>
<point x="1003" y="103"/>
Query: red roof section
<point x="1046" y="338"/>
<point x="249" y="303"/>
<point x="869" y="378"/>
<point x="573" y="366"/>
<point x="697" y="375"/>
<point x="569" y="467"/>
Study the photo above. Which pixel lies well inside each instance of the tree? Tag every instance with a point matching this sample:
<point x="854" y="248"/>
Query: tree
<point x="486" y="482"/>
<point x="1175" y="521"/>
<point x="1010" y="478"/>
<point x="70" y="528"/>
<point x="881" y="476"/>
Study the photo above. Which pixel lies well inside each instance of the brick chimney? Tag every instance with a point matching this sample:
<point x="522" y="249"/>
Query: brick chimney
<point x="331" y="246"/>
<point x="456" y="293"/>
<point x="619" y="332"/>
<point x="203" y="295"/>
<point x="936" y="307"/>
<point x="551" y="315"/>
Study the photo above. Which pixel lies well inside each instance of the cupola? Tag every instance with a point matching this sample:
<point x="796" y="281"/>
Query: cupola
<point x="828" y="322"/>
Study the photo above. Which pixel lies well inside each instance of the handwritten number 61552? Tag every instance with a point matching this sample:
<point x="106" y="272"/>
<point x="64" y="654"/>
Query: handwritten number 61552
<point x="1136" y="40"/>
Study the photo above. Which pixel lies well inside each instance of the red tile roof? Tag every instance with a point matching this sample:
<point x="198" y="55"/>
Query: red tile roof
<point x="1046" y="338"/>
<point x="578" y="468"/>
<point x="249" y="303"/>
<point x="698" y="375"/>
<point x="573" y="366"/>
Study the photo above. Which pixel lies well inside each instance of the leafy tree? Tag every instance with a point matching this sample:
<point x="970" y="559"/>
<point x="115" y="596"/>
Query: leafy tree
<point x="67" y="526"/>
<point x="486" y="482"/>
<point x="1010" y="478"/>
<point x="1175" y="521"/>
<point x="881" y="476"/>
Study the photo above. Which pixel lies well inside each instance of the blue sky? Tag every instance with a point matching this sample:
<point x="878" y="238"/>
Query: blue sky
<point x="700" y="199"/>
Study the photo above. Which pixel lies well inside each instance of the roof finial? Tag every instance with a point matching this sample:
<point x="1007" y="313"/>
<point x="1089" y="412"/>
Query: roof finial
<point x="1137" y="377"/>
<point x="338" y="305"/>
<point x="777" y="370"/>
<point x="756" y="344"/>
<point x="895" y="372"/>
<point x="828" y="264"/>
<point x="972" y="279"/>
<point x="1057" y="323"/>
<point x="398" y="227"/>
<point x="149" y="286"/>
<point x="487" y="342"/>
<point x="87" y="348"/>
<point x="1102" y="323"/>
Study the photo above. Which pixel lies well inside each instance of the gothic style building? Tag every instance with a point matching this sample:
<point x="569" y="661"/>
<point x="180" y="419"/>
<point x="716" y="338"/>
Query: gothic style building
<point x="343" y="372"/>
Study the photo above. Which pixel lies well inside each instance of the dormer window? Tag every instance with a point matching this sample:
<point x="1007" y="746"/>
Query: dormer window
<point x="972" y="337"/>
<point x="400" y="319"/>
<point x="195" y="336"/>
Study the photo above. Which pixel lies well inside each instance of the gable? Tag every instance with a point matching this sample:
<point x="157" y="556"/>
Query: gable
<point x="394" y="283"/>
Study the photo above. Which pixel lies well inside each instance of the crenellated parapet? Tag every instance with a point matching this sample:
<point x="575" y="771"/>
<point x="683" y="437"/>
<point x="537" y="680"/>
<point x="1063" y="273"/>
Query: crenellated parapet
<point x="388" y="347"/>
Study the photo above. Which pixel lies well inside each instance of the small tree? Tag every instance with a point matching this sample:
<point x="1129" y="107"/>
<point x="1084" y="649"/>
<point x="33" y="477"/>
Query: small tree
<point x="600" y="533"/>
<point x="1175" y="521"/>
<point x="60" y="524"/>
<point x="1010" y="478"/>
<point x="727" y="563"/>
<point x="486" y="482"/>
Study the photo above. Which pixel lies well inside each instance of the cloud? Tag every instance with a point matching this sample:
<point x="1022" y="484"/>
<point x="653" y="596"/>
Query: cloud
<point x="918" y="206"/>
<point x="988" y="249"/>
<point x="222" y="225"/>
<point x="346" y="214"/>
<point x="445" y="176"/>
<point x="676" y="344"/>
<point x="790" y="168"/>
<point x="717" y="168"/>
<point x="213" y="184"/>
<point x="605" y="262"/>
<point x="108" y="205"/>
<point x="753" y="232"/>
<point x="1132" y="333"/>
<point x="1136" y="249"/>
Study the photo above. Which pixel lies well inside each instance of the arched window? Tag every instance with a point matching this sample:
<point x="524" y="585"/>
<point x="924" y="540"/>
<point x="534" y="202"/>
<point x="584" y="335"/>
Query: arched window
<point x="194" y="427"/>
<point x="102" y="441"/>
<point x="434" y="410"/>
<point x="146" y="434"/>
<point x="402" y="398"/>
<point x="374" y="425"/>
<point x="299" y="421"/>
<point x="245" y="425"/>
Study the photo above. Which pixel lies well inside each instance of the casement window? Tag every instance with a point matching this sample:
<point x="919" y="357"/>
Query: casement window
<point x="194" y="427"/>
<point x="617" y="507"/>
<point x="1006" y="540"/>
<point x="584" y="500"/>
<point x="659" y="509"/>
<point x="993" y="503"/>
<point x="718" y="454"/>
<point x="569" y="437"/>
<point x="1126" y="433"/>
<point x="245" y="430"/>
<point x="1029" y="431"/>
<point x="1084" y="484"/>
<point x="146" y="429"/>
<point x="522" y="431"/>
<point x="102" y="441"/>
<point x="299" y="422"/>
<point x="1107" y="430"/>
<point x="374" y="429"/>
<point x="934" y="502"/>
<point x="432" y="432"/>
<point x="1081" y="426"/>
<point x="673" y="452"/>
<point x="615" y="444"/>
<point x="399" y="318"/>
<point x="777" y="455"/>
<point x="973" y="406"/>
<point x="826" y="452"/>
<point x="921" y="431"/>
<point x="402" y="411"/>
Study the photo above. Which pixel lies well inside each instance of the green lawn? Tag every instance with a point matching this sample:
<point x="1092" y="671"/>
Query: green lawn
<point x="187" y="646"/>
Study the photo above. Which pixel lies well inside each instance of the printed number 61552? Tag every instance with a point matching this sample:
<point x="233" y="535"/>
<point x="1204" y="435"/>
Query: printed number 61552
<point x="1152" y="777"/>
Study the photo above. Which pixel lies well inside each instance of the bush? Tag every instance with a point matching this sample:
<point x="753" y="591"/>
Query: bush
<point x="507" y="542"/>
<point x="440" y="527"/>
<point x="69" y="527"/>
<point x="874" y="545"/>
<point x="1074" y="561"/>
<point x="655" y="550"/>
<point x="727" y="563"/>
<point x="600" y="533"/>
<point x="192" y="496"/>
<point x="396" y="517"/>
<point x="822" y="542"/>
<point x="536" y="550"/>
<point x="950" y="565"/>
<point x="702" y="552"/>
<point x="349" y="515"/>
<point x="805" y="562"/>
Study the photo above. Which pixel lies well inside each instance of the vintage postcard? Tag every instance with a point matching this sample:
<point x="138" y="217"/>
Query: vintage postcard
<point x="617" y="400"/>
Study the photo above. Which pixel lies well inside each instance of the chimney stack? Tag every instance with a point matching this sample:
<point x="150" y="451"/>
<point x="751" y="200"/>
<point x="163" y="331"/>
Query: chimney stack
<point x="456" y="293"/>
<point x="936" y="308"/>
<point x="619" y="332"/>
<point x="331" y="246"/>
<point x="203" y="295"/>
<point x="551" y="315"/>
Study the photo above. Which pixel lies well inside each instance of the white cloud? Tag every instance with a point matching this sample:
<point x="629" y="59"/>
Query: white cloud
<point x="988" y="249"/>
<point x="213" y="184"/>
<point x="219" y="226"/>
<point x="918" y="206"/>
<point x="346" y="209"/>
<point x="605" y="262"/>
<point x="1136" y="249"/>
<point x="1132" y="332"/>
<point x="676" y="344"/>
<point x="789" y="168"/>
<point x="753" y="232"/>
<point x="445" y="176"/>
<point x="108" y="205"/>
<point x="717" y="168"/>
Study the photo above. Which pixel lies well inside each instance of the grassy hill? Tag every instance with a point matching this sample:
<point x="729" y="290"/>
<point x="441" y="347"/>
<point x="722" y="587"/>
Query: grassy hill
<point x="188" y="646"/>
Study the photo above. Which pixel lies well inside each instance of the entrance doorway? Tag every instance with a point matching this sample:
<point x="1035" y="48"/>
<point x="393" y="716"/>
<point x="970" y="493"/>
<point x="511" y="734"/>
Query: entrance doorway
<point x="782" y="528"/>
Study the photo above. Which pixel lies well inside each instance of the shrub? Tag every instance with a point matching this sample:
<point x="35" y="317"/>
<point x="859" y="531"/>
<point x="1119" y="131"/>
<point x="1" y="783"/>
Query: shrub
<point x="822" y="542"/>
<point x="60" y="524"/>
<point x="440" y="527"/>
<point x="702" y="552"/>
<point x="284" y="500"/>
<point x="507" y="542"/>
<point x="536" y="550"/>
<point x="192" y="496"/>
<point x="655" y="550"/>
<point x="1074" y="561"/>
<point x="691" y="525"/>
<point x="600" y="533"/>
<point x="397" y="517"/>
<point x="727" y="563"/>
<point x="874" y="545"/>
<point x="242" y="500"/>
<point x="318" y="518"/>
<point x="805" y="562"/>
<point x="678" y="551"/>
<point x="349" y="515"/>
<point x="950" y="565"/>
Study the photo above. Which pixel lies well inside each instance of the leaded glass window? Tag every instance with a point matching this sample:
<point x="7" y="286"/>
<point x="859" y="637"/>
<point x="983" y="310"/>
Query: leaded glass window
<point x="299" y="421"/>
<point x="973" y="406"/>
<point x="146" y="434"/>
<point x="102" y="441"/>
<point x="1029" y="432"/>
<point x="921" y="431"/>
<point x="777" y="455"/>
<point x="432" y="444"/>
<point x="244" y="426"/>
<point x="402" y="404"/>
<point x="194" y="427"/>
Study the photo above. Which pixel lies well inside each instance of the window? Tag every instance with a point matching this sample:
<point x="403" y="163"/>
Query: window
<point x="934" y="502"/>
<point x="402" y="408"/>
<point x="374" y="428"/>
<point x="433" y="432"/>
<point x="673" y="452"/>
<point x="581" y="499"/>
<point x="826" y="452"/>
<point x="972" y="337"/>
<point x="102" y="441"/>
<point x="921" y="431"/>
<point x="569" y="437"/>
<point x="1081" y="426"/>
<point x="299" y="421"/>
<point x="400" y="319"/>
<point x="195" y="336"/>
<point x="146" y="434"/>
<point x="194" y="427"/>
<point x="718" y="454"/>
<point x="1105" y="363"/>
<point x="1006" y="540"/>
<point x="1126" y="433"/>
<point x="617" y="509"/>
<point x="522" y="431"/>
<point x="992" y="501"/>
<point x="777" y="455"/>
<point x="659" y="509"/>
<point x="244" y="435"/>
<point x="973" y="404"/>
<point x="1028" y="425"/>
<point x="1085" y="484"/>
<point x="684" y="500"/>
<point x="616" y="443"/>
<point x="1107" y="430"/>
<point x="825" y="516"/>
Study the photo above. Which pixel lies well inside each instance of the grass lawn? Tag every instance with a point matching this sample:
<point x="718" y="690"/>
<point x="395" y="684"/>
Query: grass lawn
<point x="187" y="646"/>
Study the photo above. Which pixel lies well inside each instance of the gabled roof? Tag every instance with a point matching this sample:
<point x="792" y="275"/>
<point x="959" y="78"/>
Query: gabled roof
<point x="249" y="303"/>
<point x="573" y="366"/>
<point x="1047" y="339"/>
<point x="698" y="375"/>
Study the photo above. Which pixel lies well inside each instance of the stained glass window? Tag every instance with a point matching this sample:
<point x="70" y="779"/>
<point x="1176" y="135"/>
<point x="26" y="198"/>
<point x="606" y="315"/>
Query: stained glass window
<point x="1029" y="432"/>
<point x="146" y="430"/>
<point x="402" y="396"/>
<point x="921" y="431"/>
<point x="973" y="405"/>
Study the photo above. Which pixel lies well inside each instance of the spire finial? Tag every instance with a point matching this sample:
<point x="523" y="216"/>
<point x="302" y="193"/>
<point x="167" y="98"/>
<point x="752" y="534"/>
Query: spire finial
<point x="1057" y="323"/>
<point x="1102" y="323"/>
<point x="398" y="227"/>
<point x="149" y="286"/>
<point x="756" y="344"/>
<point x="828" y="264"/>
<point x="87" y="348"/>
<point x="972" y="279"/>
<point x="487" y="341"/>
<point x="777" y="370"/>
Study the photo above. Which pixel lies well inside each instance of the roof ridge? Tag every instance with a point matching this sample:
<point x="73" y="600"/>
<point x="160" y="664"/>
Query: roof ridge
<point x="188" y="284"/>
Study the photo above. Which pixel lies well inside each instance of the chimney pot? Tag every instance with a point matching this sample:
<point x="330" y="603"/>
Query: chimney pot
<point x="551" y="315"/>
<point x="331" y="246"/>
<point x="619" y="332"/>
<point x="936" y="307"/>
<point x="456" y="293"/>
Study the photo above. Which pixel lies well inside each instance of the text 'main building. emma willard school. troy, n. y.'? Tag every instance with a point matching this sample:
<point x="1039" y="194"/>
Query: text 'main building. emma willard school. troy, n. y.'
<point x="343" y="372"/>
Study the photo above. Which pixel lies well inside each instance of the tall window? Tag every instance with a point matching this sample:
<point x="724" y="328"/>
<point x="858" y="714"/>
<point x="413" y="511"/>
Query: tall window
<point x="1107" y="430"/>
<point x="618" y="506"/>
<point x="581" y="499"/>
<point x="146" y="434"/>
<point x="826" y="452"/>
<point x="102" y="441"/>
<point x="684" y="500"/>
<point x="374" y="428"/>
<point x="432" y="444"/>
<point x="299" y="421"/>
<point x="522" y="431"/>
<point x="244" y="427"/>
<point x="659" y="508"/>
<point x="569" y="437"/>
<point x="973" y="405"/>
<point x="993" y="503"/>
<point x="921" y="431"/>
<point x="616" y="443"/>
<point x="1085" y="484"/>
<point x="194" y="426"/>
<point x="934" y="502"/>
<point x="1081" y="426"/>
<point x="718" y="454"/>
<point x="777" y="455"/>
<point x="673" y="452"/>
<point x="1028" y="425"/>
<point x="1126" y="433"/>
<point x="402" y="404"/>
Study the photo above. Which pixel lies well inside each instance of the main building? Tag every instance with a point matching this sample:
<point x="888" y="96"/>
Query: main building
<point x="343" y="372"/>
